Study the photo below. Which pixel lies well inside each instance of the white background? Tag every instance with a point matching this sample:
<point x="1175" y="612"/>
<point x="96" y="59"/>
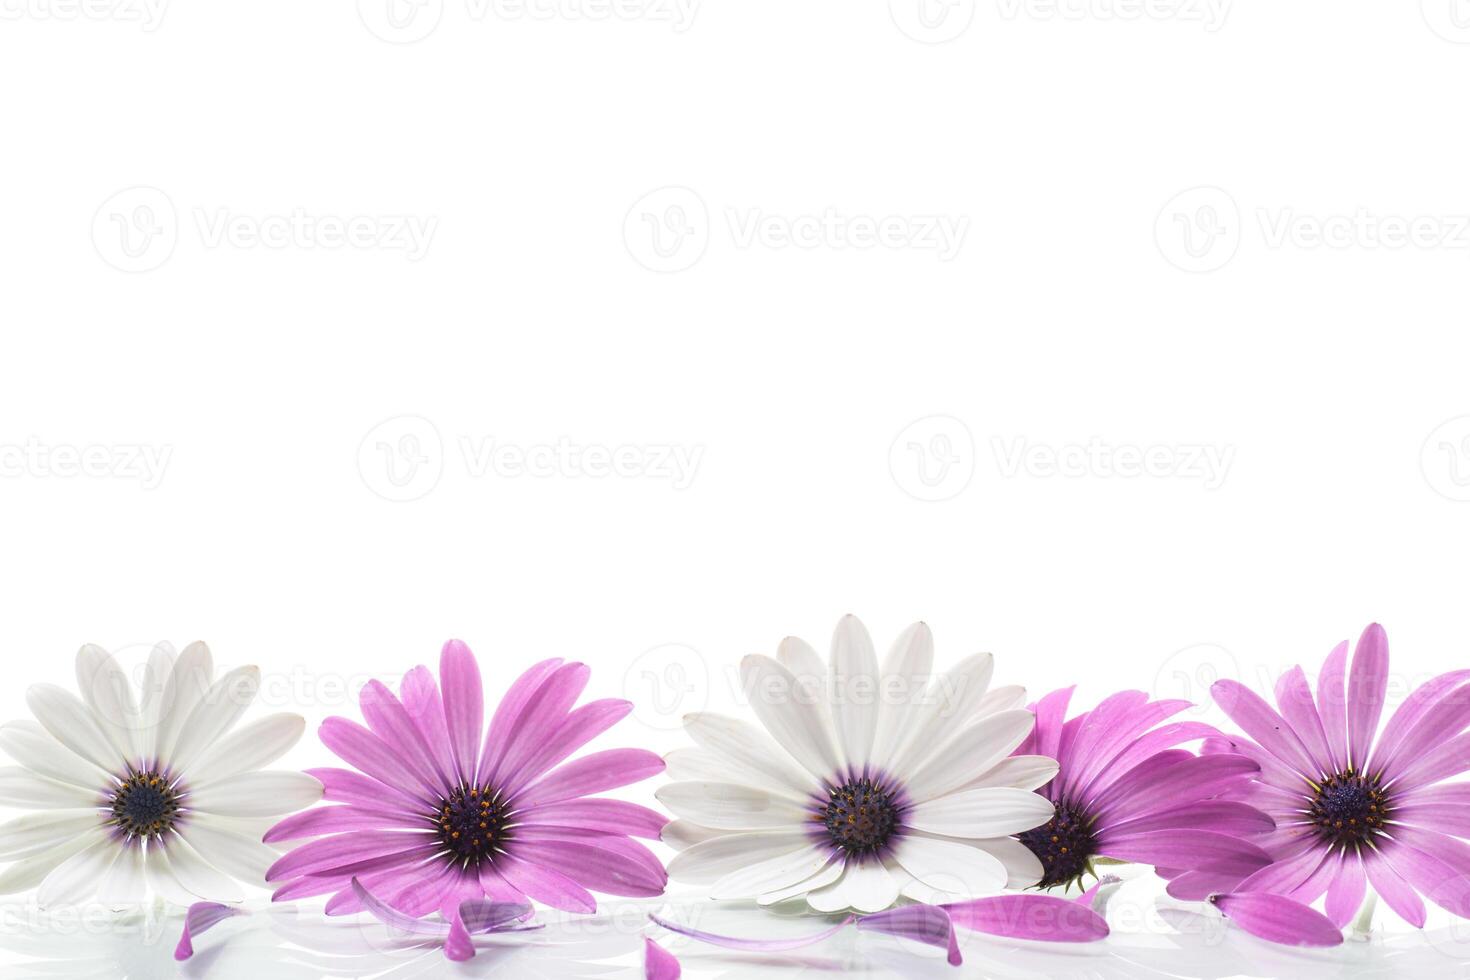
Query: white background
<point x="1188" y="231"/>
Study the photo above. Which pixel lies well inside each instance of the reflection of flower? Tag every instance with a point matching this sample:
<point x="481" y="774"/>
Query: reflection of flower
<point x="433" y="818"/>
<point x="866" y="784"/>
<point x="1127" y="792"/>
<point x="153" y="794"/>
<point x="1354" y="806"/>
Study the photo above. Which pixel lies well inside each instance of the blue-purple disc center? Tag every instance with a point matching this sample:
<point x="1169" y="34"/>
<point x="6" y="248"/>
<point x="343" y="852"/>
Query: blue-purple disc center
<point x="1349" y="810"/>
<point x="145" y="805"/>
<point x="1065" y="845"/>
<point x="472" y="823"/>
<point x="860" y="816"/>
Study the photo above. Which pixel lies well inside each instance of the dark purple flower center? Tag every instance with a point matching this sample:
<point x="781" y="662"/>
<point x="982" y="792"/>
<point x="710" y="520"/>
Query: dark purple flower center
<point x="860" y="816"/>
<point x="1065" y="845"/>
<point x="472" y="823"/>
<point x="1349" y="809"/>
<point x="145" y="805"/>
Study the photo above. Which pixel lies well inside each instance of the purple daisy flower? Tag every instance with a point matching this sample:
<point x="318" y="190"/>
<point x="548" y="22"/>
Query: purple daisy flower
<point x="431" y="816"/>
<point x="1355" y="807"/>
<point x="1126" y="792"/>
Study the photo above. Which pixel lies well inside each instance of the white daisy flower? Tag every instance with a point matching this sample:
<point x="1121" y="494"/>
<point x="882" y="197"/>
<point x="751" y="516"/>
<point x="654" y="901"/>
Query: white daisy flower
<point x="141" y="797"/>
<point x="866" y="784"/>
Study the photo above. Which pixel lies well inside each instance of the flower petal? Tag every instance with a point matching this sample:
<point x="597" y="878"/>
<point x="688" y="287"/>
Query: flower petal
<point x="253" y="746"/>
<point x="201" y="917"/>
<point x="23" y="788"/>
<point x="26" y="874"/>
<point x="36" y="833"/>
<point x="865" y="886"/>
<point x="1294" y="698"/>
<point x="72" y="724"/>
<point x="781" y="705"/>
<point x="853" y="693"/>
<point x="257" y="794"/>
<point x="108" y="692"/>
<point x="708" y="861"/>
<point x="591" y="774"/>
<point x="464" y="705"/>
<point x="1367" y="685"/>
<point x="546" y="885"/>
<point x="214" y="715"/>
<point x="749" y="749"/>
<point x="909" y="667"/>
<point x="993" y="812"/>
<point x="1278" y="920"/>
<point x="947" y="866"/>
<point x="1269" y="730"/>
<point x="34" y="748"/>
<point x="1036" y="917"/>
<point x="610" y="816"/>
<point x="245" y="858"/>
<point x="726" y="805"/>
<point x="772" y="874"/>
<point x="75" y="879"/>
<point x="505" y="723"/>
<point x="1410" y="713"/>
<point x="975" y="750"/>
<point x="1390" y="886"/>
<point x="1347" y="889"/>
<point x="198" y="876"/>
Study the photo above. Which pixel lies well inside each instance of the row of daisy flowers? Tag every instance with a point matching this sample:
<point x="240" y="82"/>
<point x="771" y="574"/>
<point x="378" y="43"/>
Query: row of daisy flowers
<point x="884" y="795"/>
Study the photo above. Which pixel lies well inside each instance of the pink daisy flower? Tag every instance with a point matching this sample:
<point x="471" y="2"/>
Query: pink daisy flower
<point x="438" y="810"/>
<point x="1125" y="791"/>
<point x="1354" y="806"/>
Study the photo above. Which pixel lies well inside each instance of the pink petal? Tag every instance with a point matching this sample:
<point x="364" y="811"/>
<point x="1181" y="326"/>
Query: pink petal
<point x="1191" y="850"/>
<point x="508" y="715"/>
<point x="659" y="963"/>
<point x="1285" y="874"/>
<point x="332" y="820"/>
<point x="1041" y="917"/>
<point x="346" y="786"/>
<point x="576" y="730"/>
<point x="389" y="720"/>
<point x="1220" y="816"/>
<point x="1367" y="685"/>
<point x="419" y="693"/>
<point x="1396" y="893"/>
<point x="1051" y="714"/>
<point x="364" y="751"/>
<point x="546" y="711"/>
<point x="1332" y="704"/>
<point x="1424" y="697"/>
<point x="1346" y="892"/>
<point x="201" y="917"/>
<point x="614" y="865"/>
<point x="1268" y="729"/>
<point x="545" y="885"/>
<point x="1193" y="778"/>
<point x="1440" y="762"/>
<point x="591" y="774"/>
<point x="928" y="924"/>
<point x="1150" y="744"/>
<point x="1446" y="718"/>
<point x="1095" y="734"/>
<point x="594" y="813"/>
<point x="330" y="855"/>
<point x="464" y="706"/>
<point x="458" y="946"/>
<point x="1294" y="698"/>
<point x="1278" y="920"/>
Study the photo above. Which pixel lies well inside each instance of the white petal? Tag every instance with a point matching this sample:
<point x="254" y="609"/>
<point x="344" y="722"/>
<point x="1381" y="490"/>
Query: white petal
<point x="24" y="875"/>
<point x="233" y="853"/>
<point x="151" y="700"/>
<point x="829" y="873"/>
<point x="992" y="812"/>
<point x="731" y="806"/>
<point x="23" y="788"/>
<point x="772" y="874"/>
<point x="253" y="746"/>
<point x="1007" y="698"/>
<point x="973" y="751"/>
<point x="33" y="747"/>
<point x="697" y="765"/>
<point x="198" y="876"/>
<point x="192" y="675"/>
<point x="75" y="879"/>
<point x="966" y="872"/>
<point x="865" y="886"/>
<point x="793" y="720"/>
<point x="681" y="834"/>
<point x="256" y="794"/>
<point x="124" y="883"/>
<point x="949" y="705"/>
<point x="853" y="692"/>
<point x="749" y="748"/>
<point x="214" y="715"/>
<point x="1020" y="771"/>
<point x="72" y="724"/>
<point x="707" y="862"/>
<point x="797" y="656"/>
<point x="158" y="872"/>
<point x="109" y="693"/>
<point x="907" y="673"/>
<point x="1022" y="866"/>
<point x="36" y="833"/>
